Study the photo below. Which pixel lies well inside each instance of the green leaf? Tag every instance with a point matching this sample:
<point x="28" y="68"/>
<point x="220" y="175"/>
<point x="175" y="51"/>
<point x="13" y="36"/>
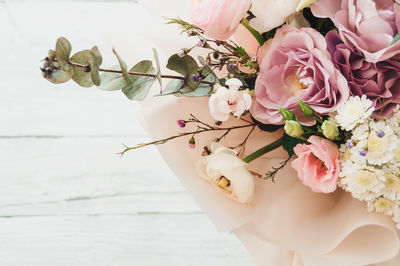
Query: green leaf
<point x="95" y="62"/>
<point x="81" y="77"/>
<point x="289" y="143"/>
<point x="140" y="85"/>
<point x="185" y="66"/>
<point x="53" y="72"/>
<point x="157" y="59"/>
<point x="207" y="67"/>
<point x="202" y="90"/>
<point x="63" y="51"/>
<point x="123" y="66"/>
<point x="242" y="51"/>
<point x="395" y="39"/>
<point x="173" y="86"/>
<point x="112" y="81"/>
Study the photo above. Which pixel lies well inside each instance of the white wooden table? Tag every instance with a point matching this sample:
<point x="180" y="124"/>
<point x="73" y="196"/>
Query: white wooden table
<point x="66" y="198"/>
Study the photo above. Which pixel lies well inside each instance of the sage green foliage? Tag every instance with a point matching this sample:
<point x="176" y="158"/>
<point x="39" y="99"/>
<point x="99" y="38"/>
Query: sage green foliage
<point x="112" y="81"/>
<point x="139" y="86"/>
<point x="95" y="62"/>
<point x="82" y="77"/>
<point x="186" y="66"/>
<point x="174" y="87"/>
<point x="123" y="66"/>
<point x="157" y="59"/>
<point x="53" y="72"/>
<point x="63" y="51"/>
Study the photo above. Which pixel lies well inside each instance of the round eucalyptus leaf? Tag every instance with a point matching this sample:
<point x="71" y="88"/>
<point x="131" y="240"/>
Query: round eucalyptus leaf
<point x="63" y="51"/>
<point x="112" y="81"/>
<point x="82" y="77"/>
<point x="140" y="85"/>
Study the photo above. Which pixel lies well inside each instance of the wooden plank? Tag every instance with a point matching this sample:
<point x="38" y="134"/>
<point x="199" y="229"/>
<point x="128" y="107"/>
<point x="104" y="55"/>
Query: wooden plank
<point x="146" y="240"/>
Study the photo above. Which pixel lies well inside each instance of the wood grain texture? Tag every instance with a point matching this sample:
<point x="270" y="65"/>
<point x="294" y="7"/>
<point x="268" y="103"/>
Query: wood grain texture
<point x="66" y="197"/>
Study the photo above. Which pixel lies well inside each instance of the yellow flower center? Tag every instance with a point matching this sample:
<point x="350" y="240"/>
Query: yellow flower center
<point x="296" y="86"/>
<point x="397" y="154"/>
<point x="382" y="205"/>
<point x="375" y="143"/>
<point x="365" y="178"/>
<point x="392" y="182"/>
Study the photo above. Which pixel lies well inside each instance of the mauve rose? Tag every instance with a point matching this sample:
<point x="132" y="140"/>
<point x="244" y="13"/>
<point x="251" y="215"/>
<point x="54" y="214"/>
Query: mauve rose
<point x="218" y="18"/>
<point x="366" y="24"/>
<point x="297" y="66"/>
<point x="318" y="164"/>
<point x="380" y="81"/>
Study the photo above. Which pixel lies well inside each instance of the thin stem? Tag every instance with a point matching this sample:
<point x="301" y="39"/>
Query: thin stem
<point x="255" y="33"/>
<point x="198" y="131"/>
<point x="270" y="147"/>
<point x="141" y="74"/>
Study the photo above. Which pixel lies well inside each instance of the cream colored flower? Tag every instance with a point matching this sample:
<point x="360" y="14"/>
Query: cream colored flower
<point x="223" y="169"/>
<point x="226" y="101"/>
<point x="383" y="205"/>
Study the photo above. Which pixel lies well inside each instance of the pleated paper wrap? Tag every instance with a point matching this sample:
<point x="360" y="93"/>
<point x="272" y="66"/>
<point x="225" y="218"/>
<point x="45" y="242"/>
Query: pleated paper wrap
<point x="287" y="224"/>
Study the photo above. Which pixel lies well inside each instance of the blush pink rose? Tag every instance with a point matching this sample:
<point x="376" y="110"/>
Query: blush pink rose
<point x="218" y="18"/>
<point x="297" y="65"/>
<point x="368" y="25"/>
<point x="317" y="164"/>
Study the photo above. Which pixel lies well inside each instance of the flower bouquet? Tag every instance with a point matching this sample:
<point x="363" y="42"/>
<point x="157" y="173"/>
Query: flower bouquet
<point x="292" y="136"/>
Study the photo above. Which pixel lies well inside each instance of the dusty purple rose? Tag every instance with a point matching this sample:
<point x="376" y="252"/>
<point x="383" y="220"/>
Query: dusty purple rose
<point x="297" y="66"/>
<point x="380" y="82"/>
<point x="367" y="25"/>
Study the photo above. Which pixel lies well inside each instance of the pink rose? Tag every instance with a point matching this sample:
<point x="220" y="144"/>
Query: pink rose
<point x="219" y="18"/>
<point x="297" y="66"/>
<point x="366" y="24"/>
<point x="317" y="164"/>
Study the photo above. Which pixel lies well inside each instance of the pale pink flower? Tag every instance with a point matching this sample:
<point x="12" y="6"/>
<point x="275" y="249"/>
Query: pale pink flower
<point x="226" y="101"/>
<point x="318" y="164"/>
<point x="219" y="18"/>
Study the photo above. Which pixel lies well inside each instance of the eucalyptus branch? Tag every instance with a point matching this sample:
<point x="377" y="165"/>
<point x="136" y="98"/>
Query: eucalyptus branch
<point x="136" y="73"/>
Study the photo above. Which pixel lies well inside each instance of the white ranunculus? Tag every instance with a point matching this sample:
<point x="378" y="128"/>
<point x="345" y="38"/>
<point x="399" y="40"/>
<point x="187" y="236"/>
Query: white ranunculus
<point x="224" y="170"/>
<point x="271" y="13"/>
<point x="226" y="101"/>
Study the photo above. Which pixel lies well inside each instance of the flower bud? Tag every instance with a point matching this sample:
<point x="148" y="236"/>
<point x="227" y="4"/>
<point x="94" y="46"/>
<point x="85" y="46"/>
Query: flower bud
<point x="293" y="129"/>
<point x="287" y="115"/>
<point x="192" y="143"/>
<point x="330" y="130"/>
<point x="306" y="109"/>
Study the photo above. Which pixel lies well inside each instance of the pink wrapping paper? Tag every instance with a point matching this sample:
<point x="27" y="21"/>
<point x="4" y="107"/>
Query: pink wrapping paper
<point x="287" y="224"/>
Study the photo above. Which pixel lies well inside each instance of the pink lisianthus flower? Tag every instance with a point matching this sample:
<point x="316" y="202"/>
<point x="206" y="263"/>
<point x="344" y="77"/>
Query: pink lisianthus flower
<point x="368" y="25"/>
<point x="219" y="18"/>
<point x="297" y="66"/>
<point x="318" y="164"/>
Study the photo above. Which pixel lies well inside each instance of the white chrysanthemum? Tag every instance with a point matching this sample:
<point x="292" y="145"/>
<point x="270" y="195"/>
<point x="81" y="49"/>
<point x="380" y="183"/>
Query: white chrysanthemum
<point x="355" y="111"/>
<point x="381" y="144"/>
<point x="364" y="184"/>
<point x="392" y="186"/>
<point x="361" y="132"/>
<point x="382" y="205"/>
<point x="394" y="121"/>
